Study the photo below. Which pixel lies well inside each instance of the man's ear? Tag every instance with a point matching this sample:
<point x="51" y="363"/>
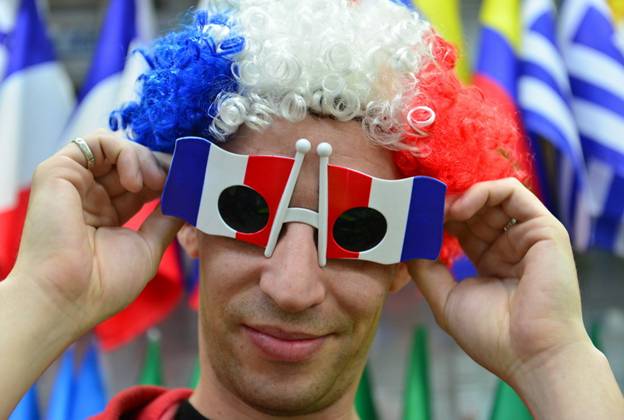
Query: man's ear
<point x="401" y="278"/>
<point x="189" y="239"/>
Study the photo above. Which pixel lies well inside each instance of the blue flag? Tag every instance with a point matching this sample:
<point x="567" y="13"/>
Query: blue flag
<point x="62" y="397"/>
<point x="595" y="64"/>
<point x="28" y="407"/>
<point x="89" y="391"/>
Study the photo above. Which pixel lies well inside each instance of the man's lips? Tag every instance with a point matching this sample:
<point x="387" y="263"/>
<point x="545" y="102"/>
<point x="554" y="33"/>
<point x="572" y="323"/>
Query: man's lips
<point x="284" y="346"/>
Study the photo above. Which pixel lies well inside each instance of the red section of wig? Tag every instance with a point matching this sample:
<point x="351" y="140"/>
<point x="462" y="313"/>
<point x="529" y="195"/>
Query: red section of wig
<point x="473" y="138"/>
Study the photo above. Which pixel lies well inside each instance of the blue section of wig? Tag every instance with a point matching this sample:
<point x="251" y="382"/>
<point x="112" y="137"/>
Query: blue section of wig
<point x="188" y="71"/>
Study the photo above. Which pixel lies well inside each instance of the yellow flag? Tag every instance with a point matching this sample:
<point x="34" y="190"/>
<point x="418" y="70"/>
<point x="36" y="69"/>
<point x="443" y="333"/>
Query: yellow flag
<point x="446" y="18"/>
<point x="617" y="6"/>
<point x="503" y="17"/>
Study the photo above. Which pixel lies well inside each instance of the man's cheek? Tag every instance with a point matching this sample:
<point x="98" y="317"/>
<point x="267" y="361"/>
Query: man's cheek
<point x="361" y="298"/>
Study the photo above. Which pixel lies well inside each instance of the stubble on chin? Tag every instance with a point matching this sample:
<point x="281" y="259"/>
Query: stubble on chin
<point x="281" y="388"/>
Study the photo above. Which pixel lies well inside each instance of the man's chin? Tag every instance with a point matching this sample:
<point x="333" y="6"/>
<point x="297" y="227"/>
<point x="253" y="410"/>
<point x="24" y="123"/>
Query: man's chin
<point x="285" y="398"/>
<point x="285" y="389"/>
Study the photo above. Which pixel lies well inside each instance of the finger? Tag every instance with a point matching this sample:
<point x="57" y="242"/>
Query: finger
<point x="435" y="282"/>
<point x="103" y="162"/>
<point x="488" y="223"/>
<point x="158" y="231"/>
<point x="97" y="208"/>
<point x="60" y="167"/>
<point x="110" y="151"/>
<point x="129" y="203"/>
<point x="506" y="256"/>
<point x="473" y="246"/>
<point x="513" y="198"/>
<point x="524" y="236"/>
<point x="129" y="169"/>
<point x="153" y="173"/>
<point x="112" y="184"/>
<point x="494" y="264"/>
<point x="163" y="159"/>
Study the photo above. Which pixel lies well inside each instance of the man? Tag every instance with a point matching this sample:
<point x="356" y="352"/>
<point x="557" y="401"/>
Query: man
<point x="284" y="333"/>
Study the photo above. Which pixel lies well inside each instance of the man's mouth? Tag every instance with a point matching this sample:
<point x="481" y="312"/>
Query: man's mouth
<point x="282" y="345"/>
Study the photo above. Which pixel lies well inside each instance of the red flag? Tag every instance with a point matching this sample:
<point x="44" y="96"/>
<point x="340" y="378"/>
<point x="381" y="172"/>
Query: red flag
<point x="11" y="224"/>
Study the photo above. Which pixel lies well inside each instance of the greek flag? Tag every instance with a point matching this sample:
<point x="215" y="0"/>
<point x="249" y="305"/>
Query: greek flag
<point x="545" y="100"/>
<point x="595" y="64"/>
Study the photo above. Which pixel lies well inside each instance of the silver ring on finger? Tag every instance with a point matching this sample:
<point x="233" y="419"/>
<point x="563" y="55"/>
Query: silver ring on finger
<point x="511" y="223"/>
<point x="86" y="151"/>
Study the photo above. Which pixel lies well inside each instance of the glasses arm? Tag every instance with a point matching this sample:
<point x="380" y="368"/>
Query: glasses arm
<point x="324" y="151"/>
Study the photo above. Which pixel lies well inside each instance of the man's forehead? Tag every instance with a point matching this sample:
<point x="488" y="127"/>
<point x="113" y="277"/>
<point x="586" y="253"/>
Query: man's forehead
<point x="350" y="146"/>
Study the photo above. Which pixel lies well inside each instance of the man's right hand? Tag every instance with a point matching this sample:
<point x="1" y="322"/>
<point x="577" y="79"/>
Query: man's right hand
<point x="74" y="253"/>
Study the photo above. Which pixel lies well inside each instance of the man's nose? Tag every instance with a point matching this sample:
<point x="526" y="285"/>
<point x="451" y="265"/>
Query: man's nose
<point x="293" y="277"/>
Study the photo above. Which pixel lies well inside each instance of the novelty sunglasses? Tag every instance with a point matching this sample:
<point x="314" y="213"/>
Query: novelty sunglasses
<point x="248" y="197"/>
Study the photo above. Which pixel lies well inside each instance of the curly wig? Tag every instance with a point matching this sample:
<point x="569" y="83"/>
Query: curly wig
<point x="374" y="61"/>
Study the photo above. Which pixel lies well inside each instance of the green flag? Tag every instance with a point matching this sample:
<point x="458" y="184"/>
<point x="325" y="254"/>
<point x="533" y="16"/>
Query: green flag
<point x="195" y="375"/>
<point x="151" y="373"/>
<point x="595" y="333"/>
<point x="364" y="401"/>
<point x="508" y="405"/>
<point x="416" y="403"/>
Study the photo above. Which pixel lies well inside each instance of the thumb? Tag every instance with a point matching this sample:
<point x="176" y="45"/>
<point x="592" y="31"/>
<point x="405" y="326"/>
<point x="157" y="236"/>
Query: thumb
<point x="159" y="231"/>
<point x="435" y="282"/>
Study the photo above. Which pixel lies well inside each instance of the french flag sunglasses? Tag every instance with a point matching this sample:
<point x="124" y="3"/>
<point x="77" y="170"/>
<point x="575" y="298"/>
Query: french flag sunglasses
<point x="248" y="197"/>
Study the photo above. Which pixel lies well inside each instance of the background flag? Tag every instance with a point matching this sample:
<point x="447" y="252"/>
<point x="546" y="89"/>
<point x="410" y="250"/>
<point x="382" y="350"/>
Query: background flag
<point x="128" y="24"/>
<point x="195" y="375"/>
<point x="595" y="64"/>
<point x="364" y="398"/>
<point x="8" y="10"/>
<point x="151" y="372"/>
<point x="595" y="333"/>
<point x="497" y="72"/>
<point x="36" y="98"/>
<point x="617" y="8"/>
<point x="445" y="15"/>
<point x="89" y="392"/>
<point x="62" y="396"/>
<point x="507" y="405"/>
<point x="406" y="3"/>
<point x="28" y="407"/>
<point x="416" y="401"/>
<point x="546" y="101"/>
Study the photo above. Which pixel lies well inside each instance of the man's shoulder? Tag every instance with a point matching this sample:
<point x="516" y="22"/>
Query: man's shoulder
<point x="144" y="403"/>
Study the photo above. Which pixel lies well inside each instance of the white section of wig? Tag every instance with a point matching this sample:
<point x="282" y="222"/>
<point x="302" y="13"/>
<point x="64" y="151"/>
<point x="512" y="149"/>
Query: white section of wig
<point x="335" y="58"/>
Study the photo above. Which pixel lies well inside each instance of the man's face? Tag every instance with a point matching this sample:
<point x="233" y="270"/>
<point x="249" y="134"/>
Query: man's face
<point x="283" y="334"/>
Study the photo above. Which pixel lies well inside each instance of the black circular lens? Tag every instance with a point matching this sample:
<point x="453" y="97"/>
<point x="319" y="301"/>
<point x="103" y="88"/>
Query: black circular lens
<point x="360" y="229"/>
<point x="243" y="209"/>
